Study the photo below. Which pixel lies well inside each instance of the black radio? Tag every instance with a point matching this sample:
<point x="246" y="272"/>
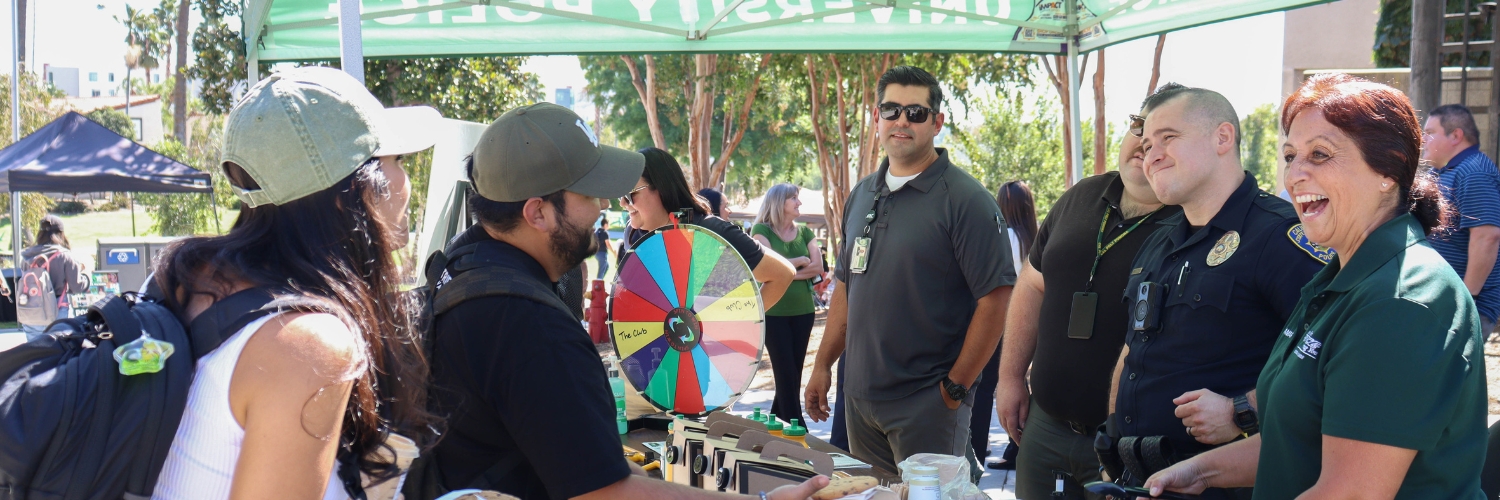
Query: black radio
<point x="1145" y="316"/>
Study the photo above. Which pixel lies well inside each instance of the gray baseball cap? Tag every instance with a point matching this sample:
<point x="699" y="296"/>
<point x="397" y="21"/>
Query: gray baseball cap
<point x="544" y="148"/>
<point x="302" y="130"/>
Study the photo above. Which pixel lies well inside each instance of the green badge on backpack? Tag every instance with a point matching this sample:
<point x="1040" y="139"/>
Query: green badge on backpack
<point x="143" y="355"/>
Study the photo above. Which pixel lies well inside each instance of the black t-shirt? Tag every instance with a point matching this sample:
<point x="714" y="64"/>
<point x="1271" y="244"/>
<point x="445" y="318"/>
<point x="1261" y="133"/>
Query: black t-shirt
<point x="741" y="242"/>
<point x="1070" y="377"/>
<point x="522" y="385"/>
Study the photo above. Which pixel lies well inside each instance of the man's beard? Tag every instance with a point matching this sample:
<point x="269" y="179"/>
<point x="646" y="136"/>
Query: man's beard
<point x="571" y="243"/>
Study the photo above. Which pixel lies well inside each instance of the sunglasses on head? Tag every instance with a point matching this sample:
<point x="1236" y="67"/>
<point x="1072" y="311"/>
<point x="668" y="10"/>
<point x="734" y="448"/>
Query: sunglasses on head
<point x="1137" y="125"/>
<point x="629" y="198"/>
<point x="915" y="113"/>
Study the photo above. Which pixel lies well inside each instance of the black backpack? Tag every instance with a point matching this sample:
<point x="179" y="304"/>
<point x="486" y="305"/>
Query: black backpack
<point x="73" y="427"/>
<point x="464" y="272"/>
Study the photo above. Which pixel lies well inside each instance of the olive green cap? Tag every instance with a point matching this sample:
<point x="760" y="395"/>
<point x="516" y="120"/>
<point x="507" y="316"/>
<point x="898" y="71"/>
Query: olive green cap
<point x="544" y="148"/>
<point x="302" y="130"/>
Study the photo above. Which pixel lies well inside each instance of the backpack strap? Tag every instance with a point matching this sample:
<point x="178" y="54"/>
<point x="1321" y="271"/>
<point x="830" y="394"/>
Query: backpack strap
<point x="474" y="272"/>
<point x="231" y="314"/>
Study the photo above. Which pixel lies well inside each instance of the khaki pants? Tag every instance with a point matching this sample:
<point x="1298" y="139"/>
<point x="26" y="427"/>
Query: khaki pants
<point x="886" y="432"/>
<point x="1048" y="445"/>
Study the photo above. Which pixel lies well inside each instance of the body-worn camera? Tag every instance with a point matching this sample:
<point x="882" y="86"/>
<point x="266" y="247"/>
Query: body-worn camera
<point x="1145" y="316"/>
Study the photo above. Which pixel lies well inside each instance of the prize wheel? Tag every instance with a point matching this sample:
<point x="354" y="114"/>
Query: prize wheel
<point x="686" y="320"/>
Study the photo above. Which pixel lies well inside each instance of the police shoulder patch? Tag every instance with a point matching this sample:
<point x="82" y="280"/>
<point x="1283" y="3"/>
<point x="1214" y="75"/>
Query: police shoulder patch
<point x="1314" y="250"/>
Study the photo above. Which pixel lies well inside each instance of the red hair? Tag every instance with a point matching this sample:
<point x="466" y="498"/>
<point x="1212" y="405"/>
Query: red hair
<point x="1384" y="127"/>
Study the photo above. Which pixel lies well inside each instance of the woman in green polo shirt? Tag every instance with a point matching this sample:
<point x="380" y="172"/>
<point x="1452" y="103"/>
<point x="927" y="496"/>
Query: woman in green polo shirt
<point x="789" y="323"/>
<point x="1376" y="388"/>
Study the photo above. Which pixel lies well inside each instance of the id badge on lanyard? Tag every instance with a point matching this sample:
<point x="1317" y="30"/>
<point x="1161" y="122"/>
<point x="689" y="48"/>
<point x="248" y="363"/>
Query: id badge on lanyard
<point x="860" y="260"/>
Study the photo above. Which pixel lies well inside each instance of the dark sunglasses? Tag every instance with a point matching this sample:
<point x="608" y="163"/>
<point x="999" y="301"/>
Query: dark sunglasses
<point x="1137" y="125"/>
<point x="629" y="198"/>
<point x="915" y="113"/>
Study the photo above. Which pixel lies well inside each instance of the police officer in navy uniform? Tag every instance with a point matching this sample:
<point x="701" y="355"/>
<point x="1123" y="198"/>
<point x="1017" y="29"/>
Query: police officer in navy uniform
<point x="1208" y="293"/>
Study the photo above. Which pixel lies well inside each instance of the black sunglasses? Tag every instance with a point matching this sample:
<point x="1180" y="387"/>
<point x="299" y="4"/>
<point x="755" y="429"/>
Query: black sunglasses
<point x="629" y="198"/>
<point x="915" y="113"/>
<point x="1137" y="125"/>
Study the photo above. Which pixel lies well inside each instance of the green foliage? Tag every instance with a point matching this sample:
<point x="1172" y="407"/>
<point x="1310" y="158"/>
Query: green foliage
<point x="220" y="54"/>
<point x="1258" y="145"/>
<point x="1012" y="144"/>
<point x="476" y="89"/>
<point x="185" y="214"/>
<point x="115" y="120"/>
<point x="152" y="32"/>
<point x="1393" y="35"/>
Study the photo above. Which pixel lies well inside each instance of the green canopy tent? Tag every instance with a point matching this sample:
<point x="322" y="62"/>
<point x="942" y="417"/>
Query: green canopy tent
<point x="351" y="30"/>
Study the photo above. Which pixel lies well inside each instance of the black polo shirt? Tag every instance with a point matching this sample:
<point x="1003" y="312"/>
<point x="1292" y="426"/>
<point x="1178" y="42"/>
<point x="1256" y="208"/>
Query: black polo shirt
<point x="938" y="244"/>
<point x="1070" y="377"/>
<point x="523" y="386"/>
<point x="1218" y="323"/>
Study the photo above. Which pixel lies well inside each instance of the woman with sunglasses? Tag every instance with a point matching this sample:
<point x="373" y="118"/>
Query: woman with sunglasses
<point x="663" y="191"/>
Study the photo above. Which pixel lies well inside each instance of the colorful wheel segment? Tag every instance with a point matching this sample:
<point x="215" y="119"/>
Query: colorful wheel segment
<point x="686" y="320"/>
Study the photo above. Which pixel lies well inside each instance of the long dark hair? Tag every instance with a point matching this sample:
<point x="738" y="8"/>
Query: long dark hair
<point x="664" y="174"/>
<point x="50" y="232"/>
<point x="1384" y="127"/>
<point x="333" y="247"/>
<point x="1019" y="209"/>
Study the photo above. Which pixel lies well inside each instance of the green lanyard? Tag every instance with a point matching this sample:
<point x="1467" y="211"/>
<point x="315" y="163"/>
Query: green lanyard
<point x="1100" y="248"/>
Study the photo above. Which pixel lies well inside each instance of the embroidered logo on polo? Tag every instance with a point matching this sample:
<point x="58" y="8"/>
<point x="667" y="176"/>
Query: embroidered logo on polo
<point x="1309" y="347"/>
<point x="1314" y="250"/>
<point x="1287" y="332"/>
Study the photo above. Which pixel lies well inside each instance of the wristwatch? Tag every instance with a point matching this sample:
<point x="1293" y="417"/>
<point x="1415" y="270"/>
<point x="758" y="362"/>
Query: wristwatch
<point x="955" y="391"/>
<point x="1244" y="416"/>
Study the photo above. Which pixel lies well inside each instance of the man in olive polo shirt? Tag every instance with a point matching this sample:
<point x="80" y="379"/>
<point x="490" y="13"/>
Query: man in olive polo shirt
<point x="1086" y="245"/>
<point x="925" y="277"/>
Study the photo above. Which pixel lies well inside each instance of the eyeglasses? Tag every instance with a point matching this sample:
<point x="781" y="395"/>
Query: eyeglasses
<point x="1137" y="125"/>
<point x="629" y="198"/>
<point x="915" y="113"/>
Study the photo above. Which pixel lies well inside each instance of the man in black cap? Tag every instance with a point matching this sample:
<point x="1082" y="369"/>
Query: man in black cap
<point x="531" y="413"/>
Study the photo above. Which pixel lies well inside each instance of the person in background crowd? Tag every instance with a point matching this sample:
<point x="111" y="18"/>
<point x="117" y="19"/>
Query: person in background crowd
<point x="1226" y="272"/>
<point x="324" y="211"/>
<point x="601" y="239"/>
<point x="1055" y="417"/>
<point x="789" y="323"/>
<point x="1018" y="208"/>
<point x="1376" y="387"/>
<point x="715" y="201"/>
<point x="531" y="407"/>
<point x="52" y="257"/>
<point x="1471" y="183"/>
<point x="922" y="293"/>
<point x="663" y="190"/>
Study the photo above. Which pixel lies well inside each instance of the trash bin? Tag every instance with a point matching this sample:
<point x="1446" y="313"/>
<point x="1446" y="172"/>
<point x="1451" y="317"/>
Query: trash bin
<point x="133" y="258"/>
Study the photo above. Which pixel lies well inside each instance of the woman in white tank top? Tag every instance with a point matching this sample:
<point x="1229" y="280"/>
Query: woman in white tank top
<point x="290" y="404"/>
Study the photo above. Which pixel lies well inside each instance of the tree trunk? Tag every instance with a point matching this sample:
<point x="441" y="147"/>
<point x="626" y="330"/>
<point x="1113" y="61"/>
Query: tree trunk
<point x="1161" y="41"/>
<point x="1059" y="77"/>
<point x="647" y="90"/>
<point x="179" y="75"/>
<point x="1101" y="129"/>
<point x="835" y="170"/>
<point x="1426" y="40"/>
<point x="700" y="119"/>
<point x="736" y="125"/>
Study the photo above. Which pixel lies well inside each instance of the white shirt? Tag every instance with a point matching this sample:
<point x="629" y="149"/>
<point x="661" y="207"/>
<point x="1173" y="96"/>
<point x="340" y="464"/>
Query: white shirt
<point x="1015" y="249"/>
<point x="896" y="183"/>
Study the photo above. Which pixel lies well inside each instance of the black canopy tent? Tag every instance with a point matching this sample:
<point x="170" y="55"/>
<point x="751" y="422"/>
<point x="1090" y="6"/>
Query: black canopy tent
<point x="73" y="154"/>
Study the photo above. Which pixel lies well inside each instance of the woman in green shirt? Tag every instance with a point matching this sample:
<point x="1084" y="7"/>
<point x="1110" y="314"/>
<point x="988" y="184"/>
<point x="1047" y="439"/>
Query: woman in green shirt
<point x="1376" y="388"/>
<point x="789" y="323"/>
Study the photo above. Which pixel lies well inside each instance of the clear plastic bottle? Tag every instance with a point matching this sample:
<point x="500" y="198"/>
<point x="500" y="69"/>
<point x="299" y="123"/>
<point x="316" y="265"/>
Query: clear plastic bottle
<point x="796" y="432"/>
<point x="617" y="388"/>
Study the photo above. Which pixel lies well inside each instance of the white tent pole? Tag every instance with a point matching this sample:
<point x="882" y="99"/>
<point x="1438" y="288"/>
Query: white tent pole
<point x="15" y="133"/>
<point x="1075" y="144"/>
<point x="351" y="45"/>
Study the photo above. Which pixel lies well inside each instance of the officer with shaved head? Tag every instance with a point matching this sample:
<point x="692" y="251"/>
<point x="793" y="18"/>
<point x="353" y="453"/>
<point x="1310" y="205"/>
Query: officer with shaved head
<point x="1208" y="292"/>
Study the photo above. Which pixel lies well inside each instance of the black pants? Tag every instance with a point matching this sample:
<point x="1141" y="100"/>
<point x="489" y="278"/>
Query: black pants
<point x="786" y="343"/>
<point x="840" y="437"/>
<point x="603" y="259"/>
<point x="984" y="411"/>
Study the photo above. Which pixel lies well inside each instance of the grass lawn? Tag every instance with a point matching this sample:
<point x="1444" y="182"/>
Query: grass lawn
<point x="85" y="229"/>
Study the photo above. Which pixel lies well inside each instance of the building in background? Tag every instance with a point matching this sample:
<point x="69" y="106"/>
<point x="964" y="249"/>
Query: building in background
<point x="564" y="97"/>
<point x="145" y="113"/>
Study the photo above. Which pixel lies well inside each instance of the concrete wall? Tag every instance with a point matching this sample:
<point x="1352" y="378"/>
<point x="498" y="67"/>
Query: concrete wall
<point x="65" y="79"/>
<point x="1332" y="35"/>
<point x="150" y="124"/>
